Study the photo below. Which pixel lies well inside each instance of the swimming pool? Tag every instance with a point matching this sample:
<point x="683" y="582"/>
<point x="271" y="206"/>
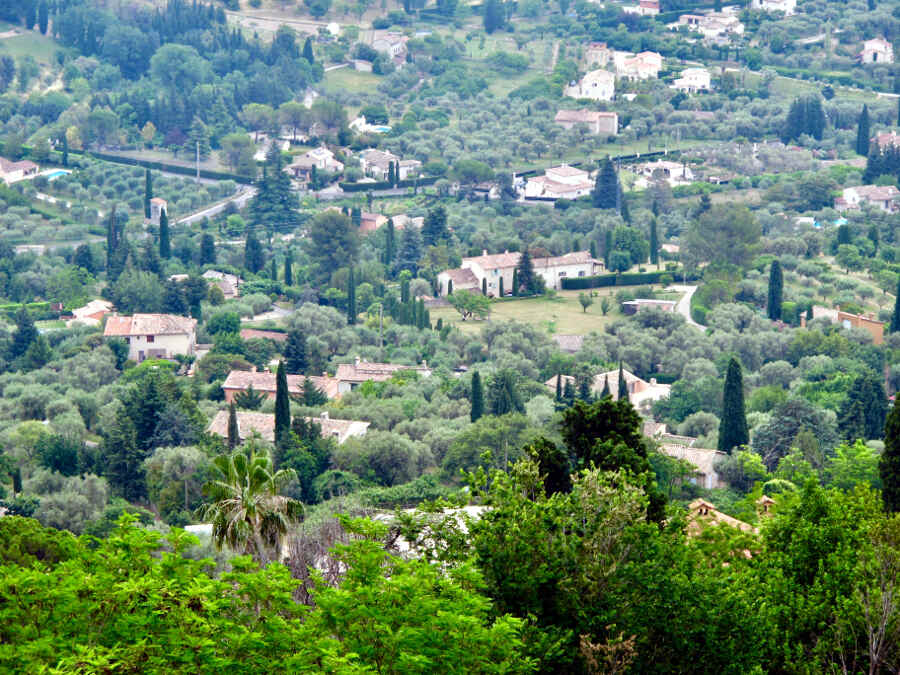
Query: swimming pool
<point x="381" y="129"/>
<point x="57" y="174"/>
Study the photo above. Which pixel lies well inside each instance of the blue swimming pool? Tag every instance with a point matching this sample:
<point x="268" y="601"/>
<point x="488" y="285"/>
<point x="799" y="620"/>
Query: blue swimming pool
<point x="57" y="174"/>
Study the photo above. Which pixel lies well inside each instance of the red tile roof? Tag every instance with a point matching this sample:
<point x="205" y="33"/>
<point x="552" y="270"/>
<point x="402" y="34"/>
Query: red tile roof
<point x="149" y="324"/>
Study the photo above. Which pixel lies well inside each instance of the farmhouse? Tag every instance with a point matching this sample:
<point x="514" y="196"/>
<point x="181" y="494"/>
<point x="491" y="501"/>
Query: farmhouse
<point x="693" y="80"/>
<point x="376" y="163"/>
<point x="90" y="314"/>
<point x="883" y="197"/>
<point x="154" y="336"/>
<point x="597" y="85"/>
<point x="643" y="66"/>
<point x="877" y="50"/>
<point x="229" y="284"/>
<point x="704" y="461"/>
<point x="10" y="172"/>
<point x="597" y="122"/>
<point x="264" y="425"/>
<point x="321" y="158"/>
<point x="866" y="322"/>
<point x="639" y="390"/>
<point x="787" y="7"/>
<point x="559" y="182"/>
<point x="350" y="375"/>
<point x="597" y="54"/>
<point x="264" y="381"/>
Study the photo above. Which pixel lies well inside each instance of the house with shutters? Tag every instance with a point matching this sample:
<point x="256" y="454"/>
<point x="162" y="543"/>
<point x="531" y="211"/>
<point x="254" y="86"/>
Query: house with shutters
<point x="596" y="85"/>
<point x="877" y="50"/>
<point x="154" y="336"/>
<point x="597" y="122"/>
<point x="559" y="182"/>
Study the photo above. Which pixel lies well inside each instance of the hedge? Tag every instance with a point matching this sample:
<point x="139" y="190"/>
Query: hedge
<point x="605" y="280"/>
<point x="384" y="185"/>
<point x="170" y="168"/>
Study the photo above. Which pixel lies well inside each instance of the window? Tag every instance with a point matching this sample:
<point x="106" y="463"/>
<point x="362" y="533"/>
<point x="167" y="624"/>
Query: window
<point x="149" y="338"/>
<point x="581" y="273"/>
<point x="562" y="274"/>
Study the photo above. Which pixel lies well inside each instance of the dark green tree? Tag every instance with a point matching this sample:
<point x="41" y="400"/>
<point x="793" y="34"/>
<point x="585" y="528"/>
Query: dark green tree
<point x="312" y="395"/>
<point x="282" y="406"/>
<point x="852" y="421"/>
<point x="165" y="246"/>
<point x="526" y="277"/>
<point x="148" y="192"/>
<point x="332" y="243"/>
<point x="584" y="388"/>
<point x="494" y="16"/>
<point x="410" y="252"/>
<point x="234" y="437"/>
<point x="249" y="399"/>
<point x="352" y="312"/>
<point x="43" y="16"/>
<point x="253" y="253"/>
<point x="862" y="133"/>
<point x="733" y="429"/>
<point x="889" y="465"/>
<point x="654" y="243"/>
<point x="895" y="317"/>
<point x="124" y="459"/>
<point x="503" y="393"/>
<point x="553" y="464"/>
<point x="207" y="249"/>
<point x="390" y="244"/>
<point x="296" y="360"/>
<point x="65" y="148"/>
<point x="276" y="205"/>
<point x="288" y="268"/>
<point x="605" y="391"/>
<point x="559" y="387"/>
<point x="776" y="290"/>
<point x="623" y="385"/>
<point x="515" y="282"/>
<point x="477" y="397"/>
<point x="26" y="333"/>
<point x="606" y="192"/>
<point x="607" y="247"/>
<point x="864" y="411"/>
<point x="434" y="230"/>
<point x="308" y="50"/>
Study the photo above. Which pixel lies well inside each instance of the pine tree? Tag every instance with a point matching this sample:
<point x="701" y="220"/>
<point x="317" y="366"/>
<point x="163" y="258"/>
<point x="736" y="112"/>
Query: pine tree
<point x="733" y="429"/>
<point x="295" y="357"/>
<point x="654" y="243"/>
<point x="165" y="247"/>
<point x="148" y="192"/>
<point x="889" y="466"/>
<point x="234" y="437"/>
<point x="390" y="244"/>
<point x="288" y="268"/>
<point x="623" y="385"/>
<point x="606" y="192"/>
<point x="526" y="278"/>
<point x="569" y="393"/>
<point x="435" y="227"/>
<point x="776" y="289"/>
<point x="477" y="397"/>
<point x="207" y="250"/>
<point x="873" y="236"/>
<point x="852" y="421"/>
<point x="275" y="206"/>
<point x="862" y="133"/>
<point x="198" y="138"/>
<point x="410" y="252"/>
<point x="282" y="406"/>
<point x="494" y="16"/>
<point x="584" y="388"/>
<point x="352" y="312"/>
<point x="253" y="253"/>
<point x="123" y="459"/>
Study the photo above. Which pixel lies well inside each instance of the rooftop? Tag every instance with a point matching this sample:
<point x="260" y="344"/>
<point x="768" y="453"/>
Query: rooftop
<point x="264" y="424"/>
<point x="149" y="324"/>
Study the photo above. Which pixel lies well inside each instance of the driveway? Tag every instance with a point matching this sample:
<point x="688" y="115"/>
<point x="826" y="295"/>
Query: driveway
<point x="684" y="305"/>
<point x="240" y="201"/>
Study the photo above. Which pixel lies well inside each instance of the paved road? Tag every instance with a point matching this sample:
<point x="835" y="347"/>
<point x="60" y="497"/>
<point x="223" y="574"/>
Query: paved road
<point x="240" y="200"/>
<point x="684" y="305"/>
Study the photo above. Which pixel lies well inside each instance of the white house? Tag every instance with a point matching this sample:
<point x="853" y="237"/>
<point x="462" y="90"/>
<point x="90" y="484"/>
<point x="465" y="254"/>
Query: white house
<point x="11" y="172"/>
<point x="90" y="314"/>
<point x="711" y="25"/>
<point x="883" y="197"/>
<point x="154" y="336"/>
<point x="229" y="284"/>
<point x="703" y="460"/>
<point x="322" y="158"/>
<point x="693" y="80"/>
<point x="559" y="182"/>
<point x="490" y="269"/>
<point x="643" y="66"/>
<point x="597" y="85"/>
<point x="597" y="122"/>
<point x="877" y="50"/>
<point x="787" y="7"/>
<point x="361" y="126"/>
<point x="350" y="375"/>
<point x="376" y="163"/>
<point x="392" y="44"/>
<point x="674" y="173"/>
<point x="643" y="8"/>
<point x="639" y="391"/>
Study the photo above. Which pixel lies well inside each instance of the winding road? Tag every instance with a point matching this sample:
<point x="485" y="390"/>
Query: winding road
<point x="684" y="305"/>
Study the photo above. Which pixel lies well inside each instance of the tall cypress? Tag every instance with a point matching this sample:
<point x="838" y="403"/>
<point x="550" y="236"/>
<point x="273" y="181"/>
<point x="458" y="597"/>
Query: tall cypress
<point x="308" y="50"/>
<point x="607" y="246"/>
<point x="165" y="246"/>
<point x="776" y="290"/>
<point x="623" y="385"/>
<point x="559" y="387"/>
<point x="515" y="282"/>
<point x="606" y="192"/>
<point x="526" y="278"/>
<point x="477" y="397"/>
<point x="282" y="406"/>
<point x="207" y="249"/>
<point x="889" y="466"/>
<point x="501" y="288"/>
<point x="253" y="253"/>
<point x="605" y="391"/>
<point x="351" y="298"/>
<point x="733" y="429"/>
<point x="895" y="317"/>
<point x="390" y="243"/>
<point x="43" y="16"/>
<point x="289" y="268"/>
<point x="295" y="357"/>
<point x="148" y="192"/>
<point x="234" y="437"/>
<point x="65" y="150"/>
<point x="654" y="243"/>
<point x="862" y="133"/>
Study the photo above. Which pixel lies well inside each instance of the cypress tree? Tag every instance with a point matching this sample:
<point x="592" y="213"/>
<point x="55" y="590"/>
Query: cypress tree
<point x="351" y="298"/>
<point x="484" y="286"/>
<point x="295" y="352"/>
<point x="889" y="466"/>
<point x="288" y="268"/>
<point x="165" y="246"/>
<point x="526" y="278"/>
<point x="273" y="270"/>
<point x="654" y="243"/>
<point x="308" y="51"/>
<point x="569" y="393"/>
<point x="606" y="192"/>
<point x="852" y="421"/>
<point x="390" y="243"/>
<point x="404" y="287"/>
<point x="43" y="16"/>
<point x="776" y="290"/>
<point x="895" y="317"/>
<point x="862" y="133"/>
<point x="733" y="430"/>
<point x="584" y="388"/>
<point x="515" y="282"/>
<point x="234" y="437"/>
<point x="873" y="236"/>
<point x="450" y="287"/>
<point x="607" y="247"/>
<point x="623" y="385"/>
<point x="605" y="391"/>
<point x="65" y="149"/>
<point x="253" y="253"/>
<point x="501" y="287"/>
<point x="558" y="387"/>
<point x="477" y="397"/>
<point x="282" y="406"/>
<point x="148" y="192"/>
<point x="207" y="249"/>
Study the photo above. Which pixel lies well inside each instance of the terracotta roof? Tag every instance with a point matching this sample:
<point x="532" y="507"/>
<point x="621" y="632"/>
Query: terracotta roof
<point x="566" y="170"/>
<point x="878" y="193"/>
<point x="363" y="371"/>
<point x="582" y="116"/>
<point x="158" y="200"/>
<point x="6" y="165"/>
<point x="250" y="333"/>
<point x="379" y="158"/>
<point x="149" y="324"/>
<point x="505" y="259"/>
<point x="462" y="278"/>
<point x="573" y="258"/>
<point x="703" y="512"/>
<point x="240" y="380"/>
<point x="264" y="424"/>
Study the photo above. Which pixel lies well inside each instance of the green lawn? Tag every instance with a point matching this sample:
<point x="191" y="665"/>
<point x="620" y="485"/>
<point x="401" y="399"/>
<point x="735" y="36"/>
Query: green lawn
<point x="41" y="47"/>
<point x="561" y="314"/>
<point x="347" y="79"/>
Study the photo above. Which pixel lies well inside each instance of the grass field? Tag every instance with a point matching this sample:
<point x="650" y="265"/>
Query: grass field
<point x="41" y="47"/>
<point x="561" y="314"/>
<point x="347" y="79"/>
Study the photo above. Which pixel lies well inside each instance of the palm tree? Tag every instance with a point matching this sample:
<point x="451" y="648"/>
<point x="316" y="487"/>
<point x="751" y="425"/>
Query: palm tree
<point x="246" y="510"/>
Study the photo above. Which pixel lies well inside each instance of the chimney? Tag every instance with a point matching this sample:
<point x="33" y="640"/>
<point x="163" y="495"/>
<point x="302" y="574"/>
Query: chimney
<point x="324" y="415"/>
<point x="252" y="369"/>
<point x="424" y="363"/>
<point x="484" y="251"/>
<point x="356" y="362"/>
